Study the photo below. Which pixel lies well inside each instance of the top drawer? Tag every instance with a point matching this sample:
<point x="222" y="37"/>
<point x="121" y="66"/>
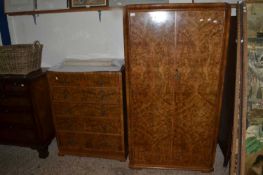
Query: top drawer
<point x="14" y="88"/>
<point x="94" y="79"/>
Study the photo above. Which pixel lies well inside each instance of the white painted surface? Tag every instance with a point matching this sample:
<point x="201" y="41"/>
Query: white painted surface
<point x="72" y="35"/>
<point x="233" y="12"/>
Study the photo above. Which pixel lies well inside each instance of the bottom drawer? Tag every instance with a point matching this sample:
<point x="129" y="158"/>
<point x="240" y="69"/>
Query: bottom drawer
<point x="88" y="142"/>
<point x="20" y="120"/>
<point x="17" y="136"/>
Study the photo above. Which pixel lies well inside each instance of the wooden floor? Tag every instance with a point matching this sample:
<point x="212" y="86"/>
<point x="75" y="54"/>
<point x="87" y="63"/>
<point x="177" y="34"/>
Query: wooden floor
<point x="24" y="161"/>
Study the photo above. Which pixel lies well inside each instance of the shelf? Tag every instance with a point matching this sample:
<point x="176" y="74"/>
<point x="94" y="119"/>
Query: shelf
<point x="62" y="11"/>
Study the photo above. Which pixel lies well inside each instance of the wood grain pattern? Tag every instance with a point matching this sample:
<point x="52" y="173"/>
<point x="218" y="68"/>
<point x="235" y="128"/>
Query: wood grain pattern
<point x="88" y="113"/>
<point x="86" y="95"/>
<point x="94" y="125"/>
<point x="86" y="109"/>
<point x="175" y="57"/>
<point x="84" y="79"/>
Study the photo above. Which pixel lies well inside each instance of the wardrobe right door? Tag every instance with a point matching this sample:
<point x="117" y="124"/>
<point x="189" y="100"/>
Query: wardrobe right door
<point x="199" y="72"/>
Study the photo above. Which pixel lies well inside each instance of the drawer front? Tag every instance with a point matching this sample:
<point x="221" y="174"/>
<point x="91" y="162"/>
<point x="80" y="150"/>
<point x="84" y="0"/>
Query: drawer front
<point x="16" y="135"/>
<point x="16" y="88"/>
<point x="15" y="102"/>
<point x="86" y="110"/>
<point x="98" y="79"/>
<point x="18" y="120"/>
<point x="5" y="108"/>
<point x="91" y="125"/>
<point x="89" y="142"/>
<point x="86" y="95"/>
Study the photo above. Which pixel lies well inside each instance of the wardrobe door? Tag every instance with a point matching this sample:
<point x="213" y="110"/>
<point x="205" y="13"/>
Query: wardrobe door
<point x="151" y="89"/>
<point x="199" y="70"/>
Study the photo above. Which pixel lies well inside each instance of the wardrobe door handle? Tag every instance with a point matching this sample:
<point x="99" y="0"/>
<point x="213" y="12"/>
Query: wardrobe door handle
<point x="177" y="75"/>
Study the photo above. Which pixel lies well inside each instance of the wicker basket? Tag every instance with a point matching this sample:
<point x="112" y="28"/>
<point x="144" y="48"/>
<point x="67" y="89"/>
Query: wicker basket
<point x="20" y="58"/>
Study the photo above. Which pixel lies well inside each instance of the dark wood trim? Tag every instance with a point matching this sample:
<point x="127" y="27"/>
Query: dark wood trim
<point x="61" y="11"/>
<point x="177" y="6"/>
<point x="244" y="80"/>
<point x="253" y="1"/>
<point x="235" y="155"/>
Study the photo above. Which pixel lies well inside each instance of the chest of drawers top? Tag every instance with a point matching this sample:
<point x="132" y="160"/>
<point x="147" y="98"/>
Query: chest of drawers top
<point x="25" y="78"/>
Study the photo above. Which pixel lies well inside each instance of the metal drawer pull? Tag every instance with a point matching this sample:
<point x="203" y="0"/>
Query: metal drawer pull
<point x="56" y="78"/>
<point x="22" y="85"/>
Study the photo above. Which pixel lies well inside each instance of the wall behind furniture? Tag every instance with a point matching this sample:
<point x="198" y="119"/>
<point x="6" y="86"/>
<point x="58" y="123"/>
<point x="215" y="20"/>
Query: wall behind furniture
<point x="71" y="35"/>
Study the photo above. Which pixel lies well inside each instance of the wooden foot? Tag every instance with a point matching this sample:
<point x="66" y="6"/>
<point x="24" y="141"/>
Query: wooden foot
<point x="43" y="152"/>
<point x="208" y="170"/>
<point x="60" y="154"/>
<point x="225" y="162"/>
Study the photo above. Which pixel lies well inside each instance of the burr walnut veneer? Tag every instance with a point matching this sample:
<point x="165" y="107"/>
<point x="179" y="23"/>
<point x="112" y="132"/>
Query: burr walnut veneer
<point x="175" y="64"/>
<point x="88" y="113"/>
<point x="25" y="114"/>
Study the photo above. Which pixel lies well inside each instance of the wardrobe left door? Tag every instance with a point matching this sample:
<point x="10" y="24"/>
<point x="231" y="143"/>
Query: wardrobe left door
<point x="149" y="68"/>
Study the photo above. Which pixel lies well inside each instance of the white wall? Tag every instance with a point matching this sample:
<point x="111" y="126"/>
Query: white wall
<point x="72" y="35"/>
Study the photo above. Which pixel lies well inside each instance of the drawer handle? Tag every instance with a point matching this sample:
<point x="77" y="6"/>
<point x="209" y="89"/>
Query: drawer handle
<point x="101" y="82"/>
<point x="22" y="85"/>
<point x="56" y="78"/>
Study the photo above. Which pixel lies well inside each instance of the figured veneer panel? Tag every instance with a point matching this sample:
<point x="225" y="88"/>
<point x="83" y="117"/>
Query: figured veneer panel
<point x="175" y="62"/>
<point x="89" y="142"/>
<point x="90" y="79"/>
<point x="86" y="95"/>
<point x="86" y="110"/>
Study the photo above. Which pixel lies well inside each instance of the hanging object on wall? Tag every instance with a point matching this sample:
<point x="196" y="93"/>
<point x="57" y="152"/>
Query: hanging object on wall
<point x="88" y="3"/>
<point x="35" y="18"/>
<point x="99" y="11"/>
<point x="4" y="30"/>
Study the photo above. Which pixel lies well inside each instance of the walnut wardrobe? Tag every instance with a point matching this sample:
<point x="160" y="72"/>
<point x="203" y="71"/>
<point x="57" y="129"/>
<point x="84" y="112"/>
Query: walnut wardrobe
<point x="175" y="66"/>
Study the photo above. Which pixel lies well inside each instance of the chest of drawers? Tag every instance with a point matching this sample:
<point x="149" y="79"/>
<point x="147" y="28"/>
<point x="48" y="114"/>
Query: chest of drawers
<point x="25" y="114"/>
<point x="88" y="113"/>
